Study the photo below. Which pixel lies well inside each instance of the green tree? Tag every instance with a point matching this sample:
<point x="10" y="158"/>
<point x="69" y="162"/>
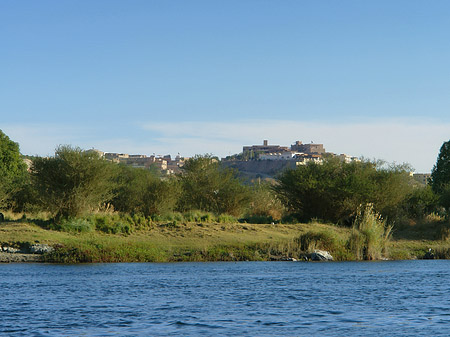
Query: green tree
<point x="129" y="189"/>
<point x="440" y="176"/>
<point x="421" y="202"/>
<point x="208" y="186"/>
<point x="73" y="182"/>
<point x="12" y="170"/>
<point x="143" y="191"/>
<point x="394" y="184"/>
<point x="333" y="190"/>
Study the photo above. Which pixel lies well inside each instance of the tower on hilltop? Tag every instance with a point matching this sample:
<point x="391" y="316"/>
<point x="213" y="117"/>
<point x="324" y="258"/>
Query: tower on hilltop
<point x="307" y="148"/>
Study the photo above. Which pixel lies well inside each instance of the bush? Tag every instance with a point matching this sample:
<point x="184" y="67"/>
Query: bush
<point x="111" y="224"/>
<point x="140" y="221"/>
<point x="74" y="226"/>
<point x="317" y="240"/>
<point x="193" y="216"/>
<point x="208" y="217"/>
<point x="259" y="219"/>
<point x="225" y="218"/>
<point x="265" y="207"/>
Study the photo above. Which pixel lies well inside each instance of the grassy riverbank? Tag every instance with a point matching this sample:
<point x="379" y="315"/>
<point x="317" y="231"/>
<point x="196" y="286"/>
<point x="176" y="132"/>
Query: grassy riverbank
<point x="170" y="242"/>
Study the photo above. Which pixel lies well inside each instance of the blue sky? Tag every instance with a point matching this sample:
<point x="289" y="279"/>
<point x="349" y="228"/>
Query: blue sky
<point x="366" y="78"/>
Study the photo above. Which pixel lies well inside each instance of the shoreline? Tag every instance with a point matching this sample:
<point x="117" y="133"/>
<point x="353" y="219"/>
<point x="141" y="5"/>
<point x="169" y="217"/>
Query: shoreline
<point x="207" y="242"/>
<point x="6" y="258"/>
<point x="19" y="257"/>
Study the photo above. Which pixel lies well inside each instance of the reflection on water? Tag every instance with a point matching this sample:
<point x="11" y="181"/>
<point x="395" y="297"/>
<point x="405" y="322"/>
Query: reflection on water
<point x="232" y="299"/>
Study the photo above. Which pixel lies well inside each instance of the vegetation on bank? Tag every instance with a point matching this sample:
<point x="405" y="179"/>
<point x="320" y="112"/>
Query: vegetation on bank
<point x="164" y="241"/>
<point x="94" y="210"/>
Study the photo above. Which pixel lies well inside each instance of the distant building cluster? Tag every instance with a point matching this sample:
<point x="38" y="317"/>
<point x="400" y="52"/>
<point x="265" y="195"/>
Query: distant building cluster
<point x="298" y="152"/>
<point x="163" y="163"/>
<point x="265" y="159"/>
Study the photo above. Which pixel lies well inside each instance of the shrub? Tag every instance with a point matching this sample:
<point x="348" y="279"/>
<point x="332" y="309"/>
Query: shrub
<point x="73" y="225"/>
<point x="264" y="204"/>
<point x="140" y="221"/>
<point x="111" y="224"/>
<point x="259" y="219"/>
<point x="225" y="218"/>
<point x="317" y="240"/>
<point x="193" y="216"/>
<point x="208" y="217"/>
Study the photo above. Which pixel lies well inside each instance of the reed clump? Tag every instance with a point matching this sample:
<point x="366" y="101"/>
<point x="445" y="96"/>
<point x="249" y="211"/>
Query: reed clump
<point x="317" y="240"/>
<point x="335" y="242"/>
<point x="370" y="235"/>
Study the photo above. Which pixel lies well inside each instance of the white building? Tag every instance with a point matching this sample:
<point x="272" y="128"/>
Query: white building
<point x="348" y="159"/>
<point x="277" y="156"/>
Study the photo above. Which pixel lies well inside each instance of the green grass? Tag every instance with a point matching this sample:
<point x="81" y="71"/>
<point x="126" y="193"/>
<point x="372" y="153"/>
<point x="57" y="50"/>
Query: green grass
<point x="146" y="240"/>
<point x="160" y="242"/>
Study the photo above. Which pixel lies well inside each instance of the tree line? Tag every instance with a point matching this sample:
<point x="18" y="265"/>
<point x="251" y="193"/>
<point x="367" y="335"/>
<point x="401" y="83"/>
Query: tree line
<point x="75" y="182"/>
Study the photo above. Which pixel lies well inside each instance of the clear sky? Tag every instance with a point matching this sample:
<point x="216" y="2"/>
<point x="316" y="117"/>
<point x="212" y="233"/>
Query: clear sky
<point x="366" y="78"/>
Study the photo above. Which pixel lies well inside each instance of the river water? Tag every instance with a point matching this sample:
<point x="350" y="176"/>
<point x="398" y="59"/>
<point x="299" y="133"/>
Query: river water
<point x="226" y="299"/>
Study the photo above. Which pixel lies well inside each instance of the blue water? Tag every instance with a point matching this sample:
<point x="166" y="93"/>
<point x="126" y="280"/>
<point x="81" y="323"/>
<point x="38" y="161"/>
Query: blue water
<point x="226" y="299"/>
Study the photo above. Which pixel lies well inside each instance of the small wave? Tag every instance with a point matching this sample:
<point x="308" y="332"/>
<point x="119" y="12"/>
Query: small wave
<point x="197" y="325"/>
<point x="274" y="324"/>
<point x="334" y="312"/>
<point x="167" y="308"/>
<point x="8" y="331"/>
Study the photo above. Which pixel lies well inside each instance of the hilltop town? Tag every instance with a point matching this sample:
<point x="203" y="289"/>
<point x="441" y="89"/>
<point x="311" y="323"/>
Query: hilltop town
<point x="265" y="161"/>
<point x="256" y="160"/>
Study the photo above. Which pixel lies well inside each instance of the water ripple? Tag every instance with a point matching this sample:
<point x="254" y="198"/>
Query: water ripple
<point x="230" y="299"/>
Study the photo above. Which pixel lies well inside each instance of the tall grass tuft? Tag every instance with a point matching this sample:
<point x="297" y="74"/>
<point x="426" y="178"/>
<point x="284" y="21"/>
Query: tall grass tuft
<point x="333" y="242"/>
<point x="370" y="234"/>
<point x="317" y="240"/>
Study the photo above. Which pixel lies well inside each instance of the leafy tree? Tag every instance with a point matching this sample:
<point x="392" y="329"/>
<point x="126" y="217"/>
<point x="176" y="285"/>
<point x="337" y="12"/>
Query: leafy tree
<point x="207" y="186"/>
<point x="394" y="185"/>
<point x="12" y="170"/>
<point x="129" y="188"/>
<point x="143" y="191"/>
<point x="333" y="190"/>
<point x="73" y="182"/>
<point x="440" y="175"/>
<point x="161" y="196"/>
<point x="421" y="202"/>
